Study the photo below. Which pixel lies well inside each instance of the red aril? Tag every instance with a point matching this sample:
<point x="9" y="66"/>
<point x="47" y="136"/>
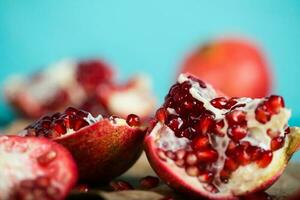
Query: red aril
<point x="102" y="147"/>
<point x="35" y="168"/>
<point x="235" y="66"/>
<point x="228" y="149"/>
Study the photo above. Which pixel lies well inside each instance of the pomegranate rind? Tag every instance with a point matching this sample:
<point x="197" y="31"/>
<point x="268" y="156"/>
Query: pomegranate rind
<point x="176" y="178"/>
<point x="104" y="150"/>
<point x="65" y="176"/>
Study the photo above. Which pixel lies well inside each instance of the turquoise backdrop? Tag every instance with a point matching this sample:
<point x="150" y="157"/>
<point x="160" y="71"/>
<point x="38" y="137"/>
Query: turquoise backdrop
<point x="146" y="36"/>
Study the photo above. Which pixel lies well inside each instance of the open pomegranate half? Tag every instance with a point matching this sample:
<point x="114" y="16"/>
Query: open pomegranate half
<point x="61" y="84"/>
<point x="102" y="147"/>
<point x="35" y="168"/>
<point x="205" y="145"/>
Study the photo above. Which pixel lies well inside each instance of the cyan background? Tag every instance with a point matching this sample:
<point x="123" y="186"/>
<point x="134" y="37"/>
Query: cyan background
<point x="146" y="36"/>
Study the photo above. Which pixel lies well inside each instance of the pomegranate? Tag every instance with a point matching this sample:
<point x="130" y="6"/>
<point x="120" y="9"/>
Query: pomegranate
<point x="225" y="62"/>
<point x="205" y="145"/>
<point x="149" y="182"/>
<point x="35" y="168"/>
<point x="120" y="185"/>
<point x="102" y="147"/>
<point x="89" y="85"/>
<point x="64" y="83"/>
<point x="133" y="97"/>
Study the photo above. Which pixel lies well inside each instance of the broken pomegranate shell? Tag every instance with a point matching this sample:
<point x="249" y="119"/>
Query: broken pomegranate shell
<point x="103" y="148"/>
<point x="64" y="83"/>
<point x="206" y="145"/>
<point x="133" y="97"/>
<point x="35" y="168"/>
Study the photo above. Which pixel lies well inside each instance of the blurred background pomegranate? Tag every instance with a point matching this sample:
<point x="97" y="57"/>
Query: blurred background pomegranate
<point x="237" y="67"/>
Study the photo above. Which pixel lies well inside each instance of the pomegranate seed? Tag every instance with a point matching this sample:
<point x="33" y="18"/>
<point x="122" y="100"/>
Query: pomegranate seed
<point x="218" y="128"/>
<point x="205" y="177"/>
<point x="191" y="159"/>
<point x="120" y="185"/>
<point x="199" y="143"/>
<point x="262" y="115"/>
<point x="171" y="155"/>
<point x="224" y="176"/>
<point x="230" y="103"/>
<point x="274" y="104"/>
<point x="205" y="123"/>
<point x="133" y="120"/>
<point x="236" y="117"/>
<point x="192" y="170"/>
<point x="180" y="163"/>
<point x="236" y="133"/>
<point x="78" y="123"/>
<point x="149" y="182"/>
<point x="58" y="127"/>
<point x="161" y="115"/>
<point x="231" y="146"/>
<point x="255" y="153"/>
<point x="46" y="124"/>
<point x="243" y="157"/>
<point x="277" y="143"/>
<point x="265" y="159"/>
<point x="47" y="158"/>
<point x="161" y="154"/>
<point x="180" y="154"/>
<point x="208" y="155"/>
<point x="174" y="125"/>
<point x="219" y="102"/>
<point x="230" y="164"/>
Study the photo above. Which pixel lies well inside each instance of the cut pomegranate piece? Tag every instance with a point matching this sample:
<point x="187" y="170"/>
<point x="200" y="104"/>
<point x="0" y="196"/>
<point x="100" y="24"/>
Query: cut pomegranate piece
<point x="35" y="168"/>
<point x="61" y="84"/>
<point x="227" y="149"/>
<point x="102" y="147"/>
<point x="133" y="97"/>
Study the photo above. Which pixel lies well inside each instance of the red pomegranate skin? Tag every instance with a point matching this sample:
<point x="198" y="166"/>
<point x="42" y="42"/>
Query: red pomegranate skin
<point x="103" y="151"/>
<point x="228" y="61"/>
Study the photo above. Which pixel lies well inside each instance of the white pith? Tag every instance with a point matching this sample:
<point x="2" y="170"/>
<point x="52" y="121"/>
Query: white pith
<point x="136" y="99"/>
<point x="56" y="77"/>
<point x="245" y="178"/>
<point x="18" y="162"/>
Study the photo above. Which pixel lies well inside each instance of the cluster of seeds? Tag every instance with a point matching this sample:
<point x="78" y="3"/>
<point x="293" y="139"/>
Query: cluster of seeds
<point x="39" y="188"/>
<point x="189" y="118"/>
<point x="58" y="124"/>
<point x="73" y="119"/>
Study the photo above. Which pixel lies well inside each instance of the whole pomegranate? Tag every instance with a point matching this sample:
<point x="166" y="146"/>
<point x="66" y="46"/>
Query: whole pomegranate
<point x="103" y="148"/>
<point x="235" y="66"/>
<point x="35" y="168"/>
<point x="205" y="145"/>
